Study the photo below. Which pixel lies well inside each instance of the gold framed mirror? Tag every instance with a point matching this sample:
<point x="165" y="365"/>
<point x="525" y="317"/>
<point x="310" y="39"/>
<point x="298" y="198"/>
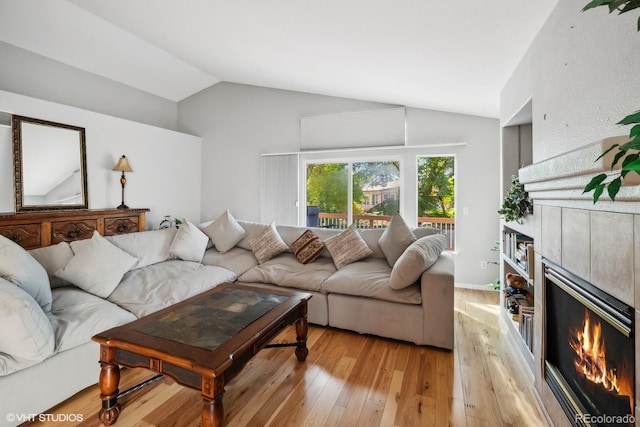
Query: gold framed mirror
<point x="49" y="165"/>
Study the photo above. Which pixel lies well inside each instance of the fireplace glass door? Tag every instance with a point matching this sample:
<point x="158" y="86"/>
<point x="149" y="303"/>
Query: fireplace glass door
<point x="589" y="350"/>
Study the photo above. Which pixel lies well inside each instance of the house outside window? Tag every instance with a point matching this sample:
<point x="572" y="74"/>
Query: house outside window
<point x="354" y="192"/>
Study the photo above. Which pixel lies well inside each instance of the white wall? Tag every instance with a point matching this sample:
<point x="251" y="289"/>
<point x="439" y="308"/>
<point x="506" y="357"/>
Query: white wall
<point x="582" y="72"/>
<point x="238" y="123"/>
<point x="34" y="75"/>
<point x="166" y="164"/>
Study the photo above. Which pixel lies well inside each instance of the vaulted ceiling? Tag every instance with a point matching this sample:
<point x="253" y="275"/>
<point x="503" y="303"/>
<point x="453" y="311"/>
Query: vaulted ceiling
<point x="443" y="55"/>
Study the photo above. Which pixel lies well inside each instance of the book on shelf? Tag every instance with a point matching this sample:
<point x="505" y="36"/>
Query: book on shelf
<point x="519" y="249"/>
<point x="525" y="325"/>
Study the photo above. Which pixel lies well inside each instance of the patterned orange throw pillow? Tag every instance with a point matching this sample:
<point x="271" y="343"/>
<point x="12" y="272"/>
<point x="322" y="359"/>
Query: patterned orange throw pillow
<point x="307" y="247"/>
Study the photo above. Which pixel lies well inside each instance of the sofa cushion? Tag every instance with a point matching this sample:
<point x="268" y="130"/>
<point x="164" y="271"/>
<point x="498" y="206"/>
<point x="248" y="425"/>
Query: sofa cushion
<point x="395" y="239"/>
<point x="76" y="316"/>
<point x="347" y="247"/>
<point x="285" y="270"/>
<point x="53" y="258"/>
<point x="150" y="247"/>
<point x="308" y="247"/>
<point x="236" y="259"/>
<point x="290" y="233"/>
<point x="252" y="230"/>
<point x="267" y="244"/>
<point x="26" y="336"/>
<point x="98" y="266"/>
<point x="20" y="268"/>
<point x="417" y="258"/>
<point x="145" y="290"/>
<point x="370" y="278"/>
<point x="189" y="242"/>
<point x="420" y="232"/>
<point x="371" y="236"/>
<point x="225" y="232"/>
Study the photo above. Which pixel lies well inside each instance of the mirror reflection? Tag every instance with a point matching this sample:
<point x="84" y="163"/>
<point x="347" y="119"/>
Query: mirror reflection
<point x="49" y="165"/>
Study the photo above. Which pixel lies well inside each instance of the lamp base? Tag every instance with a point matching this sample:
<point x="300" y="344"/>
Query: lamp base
<point x="123" y="206"/>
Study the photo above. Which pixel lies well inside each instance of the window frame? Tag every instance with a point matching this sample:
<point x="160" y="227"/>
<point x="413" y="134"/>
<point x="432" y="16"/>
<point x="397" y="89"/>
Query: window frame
<point x="408" y="158"/>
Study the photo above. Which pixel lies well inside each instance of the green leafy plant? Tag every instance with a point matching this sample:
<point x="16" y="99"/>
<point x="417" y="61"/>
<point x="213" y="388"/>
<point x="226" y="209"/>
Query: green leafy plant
<point x="622" y="6"/>
<point x="169" y="222"/>
<point x="627" y="152"/>
<point x="516" y="204"/>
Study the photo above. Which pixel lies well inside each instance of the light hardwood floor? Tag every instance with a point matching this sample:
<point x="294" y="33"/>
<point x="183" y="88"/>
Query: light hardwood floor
<point x="352" y="380"/>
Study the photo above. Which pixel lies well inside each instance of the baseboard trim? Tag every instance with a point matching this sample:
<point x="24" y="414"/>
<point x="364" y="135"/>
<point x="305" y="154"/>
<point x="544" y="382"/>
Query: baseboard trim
<point x="475" y="287"/>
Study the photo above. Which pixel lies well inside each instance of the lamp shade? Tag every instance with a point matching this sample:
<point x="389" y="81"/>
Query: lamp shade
<point x="123" y="165"/>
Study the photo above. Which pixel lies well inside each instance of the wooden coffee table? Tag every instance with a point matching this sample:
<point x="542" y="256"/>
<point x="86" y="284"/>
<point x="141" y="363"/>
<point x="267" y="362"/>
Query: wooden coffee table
<point x="201" y="342"/>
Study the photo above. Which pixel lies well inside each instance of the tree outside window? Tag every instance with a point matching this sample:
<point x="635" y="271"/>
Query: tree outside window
<point x="375" y="191"/>
<point x="436" y="187"/>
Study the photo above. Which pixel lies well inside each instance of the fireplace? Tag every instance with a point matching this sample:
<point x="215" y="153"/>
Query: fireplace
<point x="590" y="350"/>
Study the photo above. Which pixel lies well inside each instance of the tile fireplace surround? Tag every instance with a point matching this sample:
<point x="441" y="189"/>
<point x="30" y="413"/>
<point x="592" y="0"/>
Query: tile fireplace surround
<point x="595" y="242"/>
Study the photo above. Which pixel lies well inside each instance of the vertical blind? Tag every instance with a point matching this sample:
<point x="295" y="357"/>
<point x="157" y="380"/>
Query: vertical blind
<point x="279" y="195"/>
<point x="376" y="128"/>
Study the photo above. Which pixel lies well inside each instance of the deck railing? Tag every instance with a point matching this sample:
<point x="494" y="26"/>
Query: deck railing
<point x="333" y="220"/>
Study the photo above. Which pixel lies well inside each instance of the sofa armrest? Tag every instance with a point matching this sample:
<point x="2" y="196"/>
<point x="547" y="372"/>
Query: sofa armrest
<point x="437" y="288"/>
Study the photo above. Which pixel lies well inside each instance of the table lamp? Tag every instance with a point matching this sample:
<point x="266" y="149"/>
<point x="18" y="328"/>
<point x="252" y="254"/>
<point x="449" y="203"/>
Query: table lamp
<point x="123" y="166"/>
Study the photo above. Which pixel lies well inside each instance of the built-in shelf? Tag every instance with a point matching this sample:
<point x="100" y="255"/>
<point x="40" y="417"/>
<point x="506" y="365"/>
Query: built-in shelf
<point x="511" y="328"/>
<point x="516" y="257"/>
<point x="517" y="268"/>
<point x="516" y="152"/>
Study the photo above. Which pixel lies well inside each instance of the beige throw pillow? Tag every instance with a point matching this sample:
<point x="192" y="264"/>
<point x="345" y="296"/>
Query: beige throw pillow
<point x="26" y="334"/>
<point x="98" y="267"/>
<point x="419" y="256"/>
<point x="395" y="239"/>
<point x="189" y="242"/>
<point x="20" y="268"/>
<point x="267" y="244"/>
<point x="308" y="247"/>
<point x="53" y="258"/>
<point x="347" y="247"/>
<point x="225" y="232"/>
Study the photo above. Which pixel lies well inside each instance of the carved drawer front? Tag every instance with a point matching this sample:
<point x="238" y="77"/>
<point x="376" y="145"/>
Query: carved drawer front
<point x="28" y="235"/>
<point x="120" y="225"/>
<point x="68" y="231"/>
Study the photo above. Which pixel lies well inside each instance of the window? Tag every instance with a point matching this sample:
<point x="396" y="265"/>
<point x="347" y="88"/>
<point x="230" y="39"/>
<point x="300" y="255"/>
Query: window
<point x="342" y="191"/>
<point x="436" y="194"/>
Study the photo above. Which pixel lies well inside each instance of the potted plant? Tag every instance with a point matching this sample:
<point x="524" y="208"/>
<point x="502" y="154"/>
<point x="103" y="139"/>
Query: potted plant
<point x="516" y="204"/>
<point x="169" y="222"/>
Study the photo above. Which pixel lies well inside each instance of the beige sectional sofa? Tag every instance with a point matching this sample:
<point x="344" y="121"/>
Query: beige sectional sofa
<point x="54" y="299"/>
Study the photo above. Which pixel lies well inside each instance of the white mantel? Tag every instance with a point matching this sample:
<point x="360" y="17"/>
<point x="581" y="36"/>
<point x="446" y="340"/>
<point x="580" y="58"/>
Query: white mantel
<point x="562" y="179"/>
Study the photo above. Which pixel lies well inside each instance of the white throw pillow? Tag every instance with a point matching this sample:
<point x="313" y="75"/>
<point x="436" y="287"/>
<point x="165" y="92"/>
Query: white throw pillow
<point x="98" y="266"/>
<point x="26" y="335"/>
<point x="20" y="268"/>
<point x="53" y="258"/>
<point x="418" y="257"/>
<point x="189" y="243"/>
<point x="225" y="232"/>
<point x="395" y="239"/>
<point x="347" y="247"/>
<point x="267" y="244"/>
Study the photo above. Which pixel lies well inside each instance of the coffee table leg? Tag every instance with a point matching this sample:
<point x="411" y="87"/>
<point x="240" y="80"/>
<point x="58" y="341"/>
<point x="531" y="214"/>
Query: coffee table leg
<point x="302" y="328"/>
<point x="212" y="412"/>
<point x="109" y="379"/>
<point x="212" y="409"/>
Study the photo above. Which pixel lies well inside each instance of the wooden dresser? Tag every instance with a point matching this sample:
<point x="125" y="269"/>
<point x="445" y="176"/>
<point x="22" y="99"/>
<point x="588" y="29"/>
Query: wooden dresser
<point x="37" y="229"/>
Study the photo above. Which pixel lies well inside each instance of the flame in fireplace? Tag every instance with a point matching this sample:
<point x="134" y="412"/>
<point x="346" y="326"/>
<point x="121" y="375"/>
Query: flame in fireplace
<point x="590" y="360"/>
